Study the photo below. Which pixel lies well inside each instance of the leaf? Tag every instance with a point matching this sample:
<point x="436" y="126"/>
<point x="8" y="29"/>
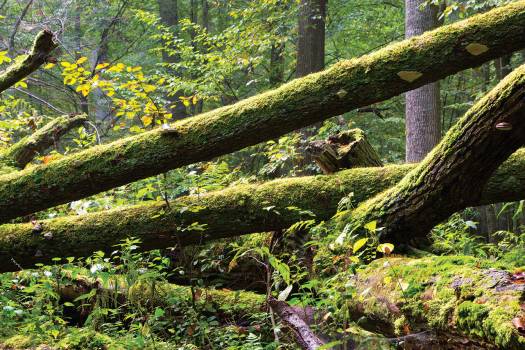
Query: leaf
<point x="359" y="244"/>
<point x="386" y="248"/>
<point x="4" y="57"/>
<point x="49" y="66"/>
<point x="476" y="49"/>
<point x="285" y="293"/>
<point x="81" y="60"/>
<point x="371" y="226"/>
<point x="146" y="120"/>
<point x="410" y="75"/>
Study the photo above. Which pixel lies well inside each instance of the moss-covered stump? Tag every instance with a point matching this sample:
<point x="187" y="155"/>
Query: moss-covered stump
<point x="231" y="212"/>
<point x="42" y="47"/>
<point x="453" y="175"/>
<point x="349" y="149"/>
<point x="347" y="85"/>
<point x="471" y="300"/>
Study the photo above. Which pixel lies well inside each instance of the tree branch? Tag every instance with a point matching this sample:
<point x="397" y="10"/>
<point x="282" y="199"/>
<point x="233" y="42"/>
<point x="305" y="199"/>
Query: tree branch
<point x="42" y="47"/>
<point x="23" y="152"/>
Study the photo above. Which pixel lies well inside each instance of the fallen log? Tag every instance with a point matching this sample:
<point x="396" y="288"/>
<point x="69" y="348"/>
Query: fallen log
<point x="453" y="175"/>
<point x="347" y="85"/>
<point x="25" y="150"/>
<point x="39" y="54"/>
<point x="231" y="212"/>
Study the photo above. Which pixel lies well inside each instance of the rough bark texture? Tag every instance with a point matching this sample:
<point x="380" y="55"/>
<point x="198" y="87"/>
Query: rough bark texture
<point x="42" y="47"/>
<point x="423" y="105"/>
<point x="303" y="335"/>
<point x="311" y="38"/>
<point x="231" y="212"/>
<point x="24" y="151"/>
<point x="453" y="176"/>
<point x="347" y="85"/>
<point x="349" y="149"/>
<point x="470" y="303"/>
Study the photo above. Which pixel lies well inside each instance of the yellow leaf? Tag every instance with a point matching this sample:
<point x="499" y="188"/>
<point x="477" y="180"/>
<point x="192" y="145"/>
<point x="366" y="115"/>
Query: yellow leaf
<point x="194" y="99"/>
<point x="65" y="64"/>
<point x="371" y="226"/>
<point x="81" y="60"/>
<point x="70" y="80"/>
<point x="149" y="88"/>
<point x="359" y="244"/>
<point x="102" y="65"/>
<point x="4" y="57"/>
<point x="49" y="66"/>
<point x="387" y="280"/>
<point x="386" y="248"/>
<point x="146" y="120"/>
<point x="21" y="84"/>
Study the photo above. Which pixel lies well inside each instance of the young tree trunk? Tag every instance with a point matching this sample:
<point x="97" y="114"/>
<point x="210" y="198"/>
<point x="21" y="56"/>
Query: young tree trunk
<point x="231" y="212"/>
<point x="423" y="105"/>
<point x="169" y="15"/>
<point x="453" y="176"/>
<point x="345" y="86"/>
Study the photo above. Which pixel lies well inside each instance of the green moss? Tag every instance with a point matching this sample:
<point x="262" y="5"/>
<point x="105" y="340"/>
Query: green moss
<point x="18" y="342"/>
<point x="450" y="293"/>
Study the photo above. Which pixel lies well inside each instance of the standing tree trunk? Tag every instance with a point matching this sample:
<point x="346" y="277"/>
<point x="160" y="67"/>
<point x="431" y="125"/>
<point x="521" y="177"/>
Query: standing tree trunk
<point x="311" y="41"/>
<point x="423" y="105"/>
<point x="169" y="16"/>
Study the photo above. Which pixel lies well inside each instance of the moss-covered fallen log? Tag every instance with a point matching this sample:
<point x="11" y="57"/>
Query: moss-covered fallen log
<point x="347" y="85"/>
<point x="463" y="299"/>
<point x="42" y="47"/>
<point x="24" y="151"/>
<point x="231" y="212"/>
<point x="453" y="175"/>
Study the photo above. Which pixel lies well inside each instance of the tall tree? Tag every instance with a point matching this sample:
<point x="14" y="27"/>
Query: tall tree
<point x="169" y="15"/>
<point x="311" y="40"/>
<point x="423" y="105"/>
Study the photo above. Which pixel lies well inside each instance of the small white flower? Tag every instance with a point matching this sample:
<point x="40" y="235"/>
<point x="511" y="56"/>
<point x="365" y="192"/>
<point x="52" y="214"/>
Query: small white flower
<point x="48" y="273"/>
<point x="19" y="312"/>
<point x="96" y="267"/>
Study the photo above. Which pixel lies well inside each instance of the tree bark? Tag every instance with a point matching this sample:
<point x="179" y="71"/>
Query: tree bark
<point x="169" y="15"/>
<point x="42" y="47"/>
<point x="25" y="150"/>
<point x="453" y="176"/>
<point x="349" y="149"/>
<point x="231" y="212"/>
<point x="303" y="335"/>
<point x="345" y="86"/>
<point x="311" y="38"/>
<point x="423" y="105"/>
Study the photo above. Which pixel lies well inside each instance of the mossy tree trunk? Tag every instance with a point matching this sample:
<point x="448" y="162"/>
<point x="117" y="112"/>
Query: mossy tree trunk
<point x="25" y="150"/>
<point x="453" y="175"/>
<point x="231" y="212"/>
<point x="42" y="47"/>
<point x="347" y="85"/>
